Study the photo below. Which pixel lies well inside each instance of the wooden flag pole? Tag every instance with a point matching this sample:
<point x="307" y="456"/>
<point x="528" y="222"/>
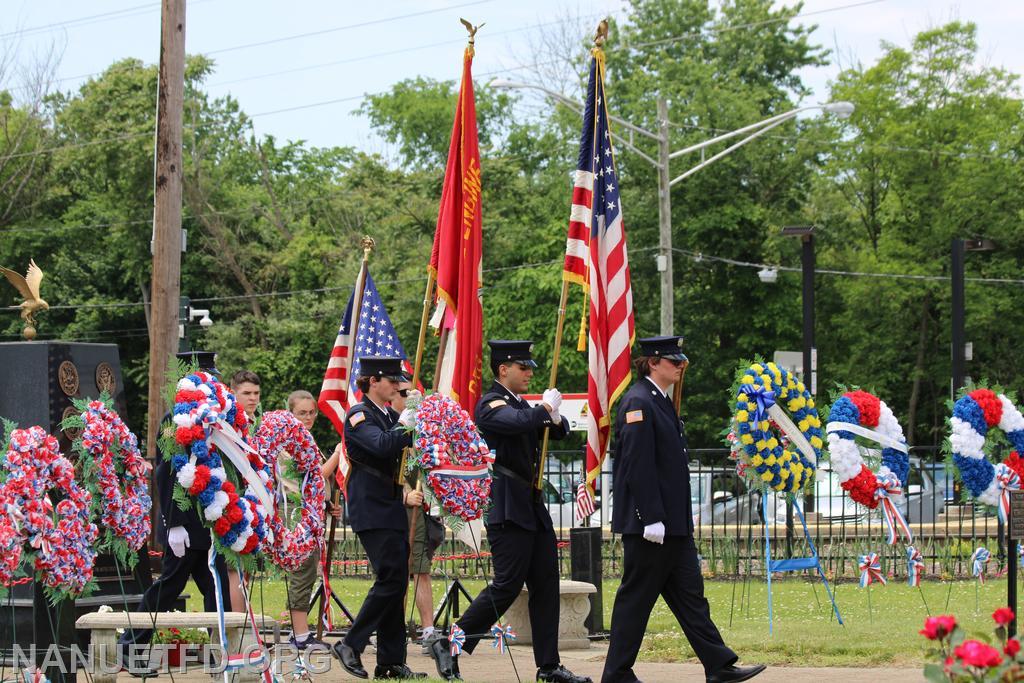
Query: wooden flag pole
<point x="427" y="296"/>
<point x="357" y="298"/>
<point x="555" y="355"/>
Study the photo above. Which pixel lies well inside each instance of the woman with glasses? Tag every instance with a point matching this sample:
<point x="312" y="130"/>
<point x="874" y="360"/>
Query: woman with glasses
<point x="299" y="584"/>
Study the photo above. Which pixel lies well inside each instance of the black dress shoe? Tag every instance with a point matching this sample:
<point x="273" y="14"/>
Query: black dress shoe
<point x="396" y="672"/>
<point x="447" y="666"/>
<point x="733" y="673"/>
<point x="349" y="659"/>
<point x="559" y="674"/>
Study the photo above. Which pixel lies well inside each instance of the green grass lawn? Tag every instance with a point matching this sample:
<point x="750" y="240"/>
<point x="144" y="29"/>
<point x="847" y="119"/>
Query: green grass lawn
<point x="804" y="634"/>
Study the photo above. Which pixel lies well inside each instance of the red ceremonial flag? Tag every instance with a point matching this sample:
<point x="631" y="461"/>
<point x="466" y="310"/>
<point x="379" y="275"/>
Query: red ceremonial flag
<point x="458" y="251"/>
<point x="595" y="256"/>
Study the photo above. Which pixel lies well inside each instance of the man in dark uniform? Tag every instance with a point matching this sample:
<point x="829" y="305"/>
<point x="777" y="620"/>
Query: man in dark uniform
<point x="375" y="436"/>
<point x="652" y="512"/>
<point x="518" y="525"/>
<point x="186" y="543"/>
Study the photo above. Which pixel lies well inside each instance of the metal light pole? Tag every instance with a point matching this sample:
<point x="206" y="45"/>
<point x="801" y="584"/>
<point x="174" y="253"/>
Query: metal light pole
<point x="958" y="341"/>
<point x="661" y="164"/>
<point x="806" y="235"/>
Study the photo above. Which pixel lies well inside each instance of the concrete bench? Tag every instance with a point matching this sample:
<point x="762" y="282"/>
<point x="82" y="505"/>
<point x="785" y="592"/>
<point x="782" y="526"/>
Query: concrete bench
<point x="104" y="625"/>
<point x="573" y="609"/>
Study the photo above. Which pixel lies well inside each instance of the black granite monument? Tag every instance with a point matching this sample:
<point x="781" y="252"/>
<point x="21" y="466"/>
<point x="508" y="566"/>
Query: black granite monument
<point x="37" y="382"/>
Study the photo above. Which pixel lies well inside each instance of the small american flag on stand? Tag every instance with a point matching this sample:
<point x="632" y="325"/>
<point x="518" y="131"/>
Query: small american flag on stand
<point x="374" y="336"/>
<point x="595" y="257"/>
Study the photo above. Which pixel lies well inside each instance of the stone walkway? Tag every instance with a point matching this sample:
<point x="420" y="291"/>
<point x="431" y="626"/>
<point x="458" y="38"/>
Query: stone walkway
<point x="488" y="666"/>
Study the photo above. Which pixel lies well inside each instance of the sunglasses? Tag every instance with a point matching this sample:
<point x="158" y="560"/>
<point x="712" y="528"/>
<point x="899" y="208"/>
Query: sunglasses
<point x="404" y="393"/>
<point x="675" y="362"/>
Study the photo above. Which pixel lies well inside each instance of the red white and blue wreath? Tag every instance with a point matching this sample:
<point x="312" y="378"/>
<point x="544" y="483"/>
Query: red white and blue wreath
<point x="280" y="431"/>
<point x="61" y="538"/>
<point x="974" y="415"/>
<point x="209" y="424"/>
<point x="454" y="458"/>
<point x="859" y="413"/>
<point x="117" y="476"/>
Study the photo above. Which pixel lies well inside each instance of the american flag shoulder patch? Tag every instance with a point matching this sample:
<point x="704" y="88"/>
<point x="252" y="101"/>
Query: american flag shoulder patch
<point x="496" y="403"/>
<point x="355" y="419"/>
<point x="634" y="416"/>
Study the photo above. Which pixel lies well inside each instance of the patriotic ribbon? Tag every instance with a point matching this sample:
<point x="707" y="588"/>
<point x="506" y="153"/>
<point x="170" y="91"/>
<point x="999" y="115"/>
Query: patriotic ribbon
<point x="979" y="560"/>
<point x="870" y="570"/>
<point x="765" y="399"/>
<point x="501" y="637"/>
<point x="889" y="487"/>
<point x="915" y="566"/>
<point x="457" y="640"/>
<point x="1008" y="480"/>
<point x="325" y="581"/>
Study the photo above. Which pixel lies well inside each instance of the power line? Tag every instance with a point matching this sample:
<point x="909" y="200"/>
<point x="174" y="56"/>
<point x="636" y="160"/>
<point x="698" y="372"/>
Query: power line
<point x="697" y="257"/>
<point x="363" y="24"/>
<point x="753" y="24"/>
<point x="116" y="14"/>
<point x="391" y="53"/>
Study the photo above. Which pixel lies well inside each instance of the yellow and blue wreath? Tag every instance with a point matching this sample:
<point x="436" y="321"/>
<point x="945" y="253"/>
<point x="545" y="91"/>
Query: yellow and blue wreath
<point x="774" y="412"/>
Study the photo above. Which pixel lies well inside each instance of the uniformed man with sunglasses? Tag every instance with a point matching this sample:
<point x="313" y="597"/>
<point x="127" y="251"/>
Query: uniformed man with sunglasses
<point x="519" y="528"/>
<point x="652" y="512"/>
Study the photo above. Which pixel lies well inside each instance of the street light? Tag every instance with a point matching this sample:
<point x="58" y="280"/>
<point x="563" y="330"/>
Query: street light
<point x="664" y="157"/>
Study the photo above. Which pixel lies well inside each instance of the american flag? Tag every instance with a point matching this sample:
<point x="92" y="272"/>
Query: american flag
<point x="595" y="256"/>
<point x="374" y="336"/>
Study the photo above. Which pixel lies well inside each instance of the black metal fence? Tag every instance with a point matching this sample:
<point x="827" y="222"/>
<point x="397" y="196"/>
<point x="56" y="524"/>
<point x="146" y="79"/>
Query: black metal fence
<point x="732" y="529"/>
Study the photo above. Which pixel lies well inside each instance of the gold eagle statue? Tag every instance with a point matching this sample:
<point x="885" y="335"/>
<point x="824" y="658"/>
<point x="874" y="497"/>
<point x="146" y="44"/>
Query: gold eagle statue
<point x="28" y="287"/>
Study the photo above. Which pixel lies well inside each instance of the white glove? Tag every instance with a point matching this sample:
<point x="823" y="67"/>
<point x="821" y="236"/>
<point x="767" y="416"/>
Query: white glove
<point x="177" y="538"/>
<point x="556" y="418"/>
<point x="553" y="398"/>
<point x="408" y="417"/>
<point x="655" y="533"/>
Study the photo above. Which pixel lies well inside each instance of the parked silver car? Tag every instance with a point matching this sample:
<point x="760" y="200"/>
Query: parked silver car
<point x="922" y="502"/>
<point x="718" y="495"/>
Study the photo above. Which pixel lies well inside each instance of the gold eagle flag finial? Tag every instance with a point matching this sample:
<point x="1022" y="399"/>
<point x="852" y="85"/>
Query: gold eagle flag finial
<point x="28" y="287"/>
<point x="602" y="33"/>
<point x="472" y="30"/>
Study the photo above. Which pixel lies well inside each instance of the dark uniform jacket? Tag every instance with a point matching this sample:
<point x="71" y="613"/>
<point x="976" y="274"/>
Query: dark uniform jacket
<point x="651" y="476"/>
<point x="374" y="441"/>
<point x="170" y="514"/>
<point x="514" y="431"/>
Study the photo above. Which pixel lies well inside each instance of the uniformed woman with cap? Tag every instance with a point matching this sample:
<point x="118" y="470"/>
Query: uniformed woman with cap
<point x="652" y="512"/>
<point x="375" y="437"/>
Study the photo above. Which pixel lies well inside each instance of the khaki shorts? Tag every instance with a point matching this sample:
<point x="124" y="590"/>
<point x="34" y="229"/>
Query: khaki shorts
<point x="300" y="582"/>
<point x="420" y="559"/>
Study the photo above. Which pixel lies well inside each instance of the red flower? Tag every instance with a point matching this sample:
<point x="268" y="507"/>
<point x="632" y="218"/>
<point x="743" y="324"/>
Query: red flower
<point x="1015" y="463"/>
<point x="947" y="666"/>
<point x="1003" y="616"/>
<point x="977" y="654"/>
<point x="221" y="526"/>
<point x="990" y="405"/>
<point x="869" y="407"/>
<point x="250" y="545"/>
<point x="862" y="488"/>
<point x="227" y="487"/>
<point x="1012" y="647"/>
<point x="200" y="481"/>
<point x="937" y="628"/>
<point x="234" y="514"/>
<point x="183" y="435"/>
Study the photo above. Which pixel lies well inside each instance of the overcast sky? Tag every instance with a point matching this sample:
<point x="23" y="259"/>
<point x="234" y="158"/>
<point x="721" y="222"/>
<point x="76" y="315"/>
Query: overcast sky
<point x="334" y="52"/>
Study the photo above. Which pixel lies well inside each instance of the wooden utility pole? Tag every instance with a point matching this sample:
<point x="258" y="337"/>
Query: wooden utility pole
<point x="166" y="245"/>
